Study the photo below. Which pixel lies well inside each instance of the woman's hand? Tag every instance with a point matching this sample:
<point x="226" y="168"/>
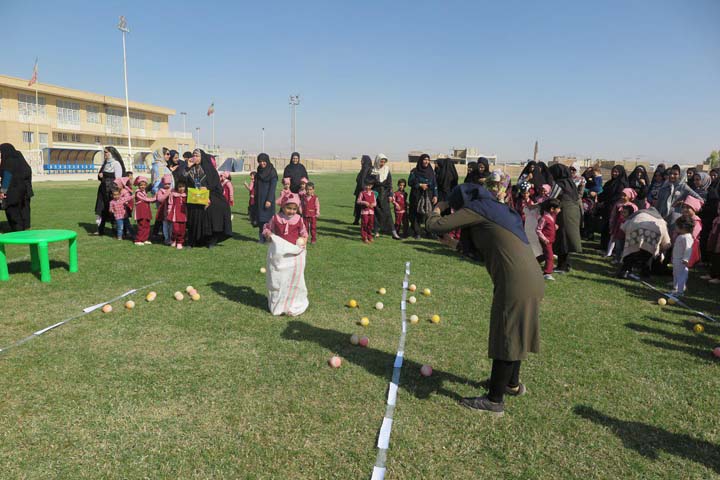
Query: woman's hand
<point x="100" y="175"/>
<point x="434" y="200"/>
<point x="423" y="186"/>
<point x="203" y="188"/>
<point x="267" y="204"/>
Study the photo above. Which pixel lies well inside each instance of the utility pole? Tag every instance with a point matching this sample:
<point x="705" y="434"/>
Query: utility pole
<point x="122" y="26"/>
<point x="184" y="116"/>
<point x="263" y="140"/>
<point x="536" y="151"/>
<point x="294" y="102"/>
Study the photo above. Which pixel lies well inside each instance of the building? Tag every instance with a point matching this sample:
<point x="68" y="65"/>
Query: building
<point x="460" y="156"/>
<point x="69" y="128"/>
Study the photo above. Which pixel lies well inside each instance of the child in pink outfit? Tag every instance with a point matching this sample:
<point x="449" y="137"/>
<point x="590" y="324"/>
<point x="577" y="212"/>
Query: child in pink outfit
<point x="285" y="193"/>
<point x="161" y="197"/>
<point x="288" y="224"/>
<point x="143" y="213"/>
<point x="177" y="214"/>
<point x="367" y="201"/>
<point x="310" y="210"/>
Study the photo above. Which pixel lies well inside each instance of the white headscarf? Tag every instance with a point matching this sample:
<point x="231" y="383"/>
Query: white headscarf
<point x="381" y="172"/>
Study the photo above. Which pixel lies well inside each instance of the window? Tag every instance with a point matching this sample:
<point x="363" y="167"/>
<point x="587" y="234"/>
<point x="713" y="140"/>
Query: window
<point x="43" y="140"/>
<point x="75" y="138"/>
<point x="68" y="113"/>
<point x="137" y="120"/>
<point x="93" y="114"/>
<point x="114" y="120"/>
<point x="28" y="137"/>
<point x="156" y="123"/>
<point x="97" y="139"/>
<point x="26" y="108"/>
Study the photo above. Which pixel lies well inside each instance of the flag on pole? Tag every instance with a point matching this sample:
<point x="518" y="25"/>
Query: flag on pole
<point x="33" y="80"/>
<point x="211" y="109"/>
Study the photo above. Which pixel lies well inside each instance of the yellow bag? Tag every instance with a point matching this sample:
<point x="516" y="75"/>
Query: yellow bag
<point x="197" y="196"/>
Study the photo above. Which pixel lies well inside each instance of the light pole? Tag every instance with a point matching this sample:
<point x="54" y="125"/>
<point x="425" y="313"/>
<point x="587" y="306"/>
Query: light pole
<point x="184" y="115"/>
<point x="122" y="26"/>
<point x="294" y="102"/>
<point x="263" y="140"/>
<point x="197" y="129"/>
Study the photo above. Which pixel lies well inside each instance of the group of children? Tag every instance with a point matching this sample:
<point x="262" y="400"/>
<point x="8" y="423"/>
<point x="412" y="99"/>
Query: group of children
<point x="367" y="199"/>
<point x="170" y="200"/>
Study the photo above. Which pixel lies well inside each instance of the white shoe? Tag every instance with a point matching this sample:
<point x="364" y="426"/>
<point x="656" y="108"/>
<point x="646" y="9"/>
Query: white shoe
<point x="148" y="242"/>
<point x="705" y="277"/>
<point x="547" y="276"/>
<point x="714" y="281"/>
<point x="139" y="244"/>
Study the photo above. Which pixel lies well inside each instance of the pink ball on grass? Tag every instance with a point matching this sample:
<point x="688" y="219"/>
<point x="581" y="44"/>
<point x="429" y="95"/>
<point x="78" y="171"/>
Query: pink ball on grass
<point x="426" y="370"/>
<point x="363" y="342"/>
<point x="335" y="362"/>
<point x="716" y="351"/>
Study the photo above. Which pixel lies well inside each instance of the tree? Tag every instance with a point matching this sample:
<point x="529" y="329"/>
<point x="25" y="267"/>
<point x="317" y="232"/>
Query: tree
<point x="713" y="159"/>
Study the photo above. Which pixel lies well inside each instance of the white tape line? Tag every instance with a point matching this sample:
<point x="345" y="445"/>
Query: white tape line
<point x="384" y="437"/>
<point x="399" y="360"/>
<point x="405" y="285"/>
<point x="40" y="332"/>
<point x="403" y="305"/>
<point x="378" y="473"/>
<point x="392" y="394"/>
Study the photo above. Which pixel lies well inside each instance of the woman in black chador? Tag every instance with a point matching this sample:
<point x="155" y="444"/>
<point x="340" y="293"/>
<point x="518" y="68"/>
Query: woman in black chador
<point x="16" y="190"/>
<point x="112" y="168"/>
<point x="206" y="224"/>
<point x="265" y="183"/>
<point x="295" y="171"/>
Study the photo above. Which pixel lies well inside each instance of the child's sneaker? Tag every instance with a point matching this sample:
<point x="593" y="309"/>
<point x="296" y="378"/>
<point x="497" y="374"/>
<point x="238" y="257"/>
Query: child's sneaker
<point x="120" y="237"/>
<point x="179" y="246"/>
<point x="547" y="276"/>
<point x="139" y="244"/>
<point x="705" y="277"/>
<point x="148" y="242"/>
<point x="714" y="281"/>
<point x="483" y="404"/>
<point x="173" y="244"/>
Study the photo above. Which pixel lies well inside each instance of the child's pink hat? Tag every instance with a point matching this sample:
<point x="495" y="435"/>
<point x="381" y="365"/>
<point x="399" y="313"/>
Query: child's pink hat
<point x="167" y="178"/>
<point x="286" y="181"/>
<point x="224" y="175"/>
<point x="694" y="203"/>
<point x="630" y="193"/>
<point x="121" y="182"/>
<point x="292" y="198"/>
<point x="139" y="179"/>
<point x="303" y="179"/>
<point x="546" y="189"/>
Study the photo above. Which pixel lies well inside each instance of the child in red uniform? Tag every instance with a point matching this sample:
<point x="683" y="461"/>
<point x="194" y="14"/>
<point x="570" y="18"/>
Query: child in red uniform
<point x="177" y="214"/>
<point x="367" y="201"/>
<point x="288" y="223"/>
<point x="251" y="202"/>
<point x="523" y="200"/>
<point x="228" y="193"/>
<point x="285" y="192"/>
<point x="399" y="200"/>
<point x="545" y="230"/>
<point x="161" y="197"/>
<point x="310" y="210"/>
<point x="143" y="213"/>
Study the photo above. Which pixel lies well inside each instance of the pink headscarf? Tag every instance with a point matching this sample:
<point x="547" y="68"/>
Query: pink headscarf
<point x="694" y="203"/>
<point x="630" y="193"/>
<point x="140" y="179"/>
<point x="546" y="189"/>
<point x="122" y="182"/>
<point x="292" y="198"/>
<point x="167" y="179"/>
<point x="282" y="219"/>
<point x="286" y="181"/>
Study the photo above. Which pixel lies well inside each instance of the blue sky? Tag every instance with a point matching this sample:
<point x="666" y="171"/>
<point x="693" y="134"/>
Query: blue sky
<point x="609" y="79"/>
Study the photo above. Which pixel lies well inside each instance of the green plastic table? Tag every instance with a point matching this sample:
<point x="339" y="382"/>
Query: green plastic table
<point x="39" y="258"/>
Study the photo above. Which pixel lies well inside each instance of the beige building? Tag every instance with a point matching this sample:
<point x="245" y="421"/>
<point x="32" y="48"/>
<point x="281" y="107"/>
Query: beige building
<point x="68" y="129"/>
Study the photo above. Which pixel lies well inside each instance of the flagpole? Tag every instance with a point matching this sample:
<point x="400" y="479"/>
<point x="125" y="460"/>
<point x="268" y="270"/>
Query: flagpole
<point x="123" y="28"/>
<point x="37" y="112"/>
<point x="213" y="125"/>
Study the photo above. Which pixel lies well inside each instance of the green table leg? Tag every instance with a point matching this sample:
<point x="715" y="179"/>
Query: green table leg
<point x="4" y="275"/>
<point x="44" y="258"/>
<point x="73" y="257"/>
<point x="34" y="261"/>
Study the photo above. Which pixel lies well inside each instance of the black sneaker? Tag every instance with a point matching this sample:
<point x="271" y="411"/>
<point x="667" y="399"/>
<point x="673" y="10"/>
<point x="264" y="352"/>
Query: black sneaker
<point x="483" y="404"/>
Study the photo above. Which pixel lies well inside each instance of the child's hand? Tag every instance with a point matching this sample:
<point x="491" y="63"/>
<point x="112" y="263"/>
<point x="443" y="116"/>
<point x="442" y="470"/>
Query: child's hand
<point x="685" y="262"/>
<point x="267" y="235"/>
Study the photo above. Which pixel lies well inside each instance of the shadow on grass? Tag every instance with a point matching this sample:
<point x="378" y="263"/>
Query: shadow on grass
<point x="694" y="344"/>
<point x="243" y="238"/>
<point x="377" y="362"/>
<point x="335" y="221"/>
<point x="23" y="266"/>
<point x="91" y="227"/>
<point x="240" y="294"/>
<point x="648" y="441"/>
<point x="343" y="233"/>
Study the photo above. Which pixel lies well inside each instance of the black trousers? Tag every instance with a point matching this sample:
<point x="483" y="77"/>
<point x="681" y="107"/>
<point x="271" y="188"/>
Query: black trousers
<point x="504" y="374"/>
<point x="18" y="217"/>
<point x="637" y="259"/>
<point x="563" y="262"/>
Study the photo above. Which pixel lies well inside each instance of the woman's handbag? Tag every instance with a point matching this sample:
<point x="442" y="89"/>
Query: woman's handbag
<point x="198" y="196"/>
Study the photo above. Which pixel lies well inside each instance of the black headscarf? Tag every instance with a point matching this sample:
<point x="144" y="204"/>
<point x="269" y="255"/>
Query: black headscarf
<point x="426" y="172"/>
<point x="366" y="166"/>
<point x="541" y="176"/>
<point x="13" y="161"/>
<point x="211" y="174"/>
<point x="268" y="173"/>
<point x="447" y="176"/>
<point x="639" y="173"/>
<point x="485" y="162"/>
<point x="563" y="181"/>
<point x="472" y="173"/>
<point x="116" y="156"/>
<point x="614" y="186"/>
<point x="529" y="168"/>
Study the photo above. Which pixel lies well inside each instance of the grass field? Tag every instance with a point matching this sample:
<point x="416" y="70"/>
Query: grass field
<point x="218" y="388"/>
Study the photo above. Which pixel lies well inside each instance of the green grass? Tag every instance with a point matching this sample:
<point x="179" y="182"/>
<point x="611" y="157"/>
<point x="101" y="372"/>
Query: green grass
<point x="220" y="389"/>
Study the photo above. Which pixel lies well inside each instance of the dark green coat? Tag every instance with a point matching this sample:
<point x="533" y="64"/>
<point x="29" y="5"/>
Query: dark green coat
<point x="517" y="280"/>
<point x="568" y="235"/>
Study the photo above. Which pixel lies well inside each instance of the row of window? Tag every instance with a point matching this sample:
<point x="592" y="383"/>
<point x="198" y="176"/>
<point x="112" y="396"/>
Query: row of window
<point x="29" y="138"/>
<point x="68" y="113"/>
